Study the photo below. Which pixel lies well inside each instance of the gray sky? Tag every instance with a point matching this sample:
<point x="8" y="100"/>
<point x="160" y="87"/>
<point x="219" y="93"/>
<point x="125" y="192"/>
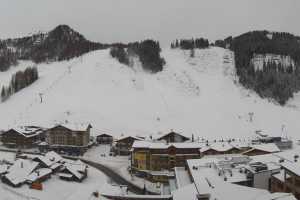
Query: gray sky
<point x="131" y="20"/>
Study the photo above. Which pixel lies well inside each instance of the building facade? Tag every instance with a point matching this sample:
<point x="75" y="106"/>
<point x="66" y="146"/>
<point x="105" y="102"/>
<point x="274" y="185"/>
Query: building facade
<point x="66" y="138"/>
<point x="288" y="180"/>
<point x="123" y="145"/>
<point x="153" y="157"/>
<point x="21" y="137"/>
<point x="104" y="139"/>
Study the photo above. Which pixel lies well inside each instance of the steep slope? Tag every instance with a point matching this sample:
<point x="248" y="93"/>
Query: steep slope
<point x="268" y="63"/>
<point x="197" y="95"/>
<point x="61" y="43"/>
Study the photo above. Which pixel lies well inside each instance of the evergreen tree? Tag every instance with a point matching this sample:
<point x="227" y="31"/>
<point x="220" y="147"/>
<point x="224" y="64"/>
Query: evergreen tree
<point x="19" y="80"/>
<point x="275" y="80"/>
<point x="3" y="94"/>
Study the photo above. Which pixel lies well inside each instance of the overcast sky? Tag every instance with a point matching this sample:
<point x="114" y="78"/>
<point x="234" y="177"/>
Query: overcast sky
<point x="131" y="20"/>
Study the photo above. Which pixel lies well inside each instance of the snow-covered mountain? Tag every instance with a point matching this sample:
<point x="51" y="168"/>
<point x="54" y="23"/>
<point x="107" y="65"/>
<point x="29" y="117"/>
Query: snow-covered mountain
<point x="61" y="43"/>
<point x="199" y="95"/>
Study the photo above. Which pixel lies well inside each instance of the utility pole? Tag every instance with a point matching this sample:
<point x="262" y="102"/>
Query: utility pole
<point x="282" y="131"/>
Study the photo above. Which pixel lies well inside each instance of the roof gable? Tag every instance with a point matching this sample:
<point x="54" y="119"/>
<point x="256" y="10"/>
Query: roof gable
<point x="172" y="133"/>
<point x="128" y="138"/>
<point x="73" y="126"/>
<point x="25" y="131"/>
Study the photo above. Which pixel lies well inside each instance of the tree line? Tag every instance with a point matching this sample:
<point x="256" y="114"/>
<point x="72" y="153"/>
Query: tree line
<point x="187" y="44"/>
<point x="19" y="80"/>
<point x="273" y="81"/>
<point x="148" y="51"/>
<point x="7" y="57"/>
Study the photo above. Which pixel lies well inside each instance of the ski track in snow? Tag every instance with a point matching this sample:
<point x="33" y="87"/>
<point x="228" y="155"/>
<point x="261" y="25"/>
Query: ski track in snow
<point x="199" y="95"/>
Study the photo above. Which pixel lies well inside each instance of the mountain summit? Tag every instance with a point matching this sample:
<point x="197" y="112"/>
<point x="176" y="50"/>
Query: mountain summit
<point x="61" y="43"/>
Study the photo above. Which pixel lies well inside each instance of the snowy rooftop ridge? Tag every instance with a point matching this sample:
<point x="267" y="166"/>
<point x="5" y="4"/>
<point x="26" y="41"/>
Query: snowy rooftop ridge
<point x="270" y="147"/>
<point x="29" y="131"/>
<point x="293" y="167"/>
<point x="74" y="126"/>
<point x="122" y="137"/>
<point x="206" y="179"/>
<point x="160" y="135"/>
<point x="77" y="168"/>
<point x="51" y="158"/>
<point x="218" y="146"/>
<point x="164" y="145"/>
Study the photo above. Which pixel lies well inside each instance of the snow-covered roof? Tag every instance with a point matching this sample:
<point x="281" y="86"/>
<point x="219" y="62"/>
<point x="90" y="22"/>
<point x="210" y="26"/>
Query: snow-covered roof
<point x="160" y="136"/>
<point x="271" y="161"/>
<point x="20" y="170"/>
<point x="288" y="155"/>
<point x="55" y="166"/>
<point x="128" y="136"/>
<point x="4" y="168"/>
<point x="65" y="175"/>
<point x="39" y="173"/>
<point x="240" y="144"/>
<point x="74" y="126"/>
<point x="270" y="148"/>
<point x="219" y="168"/>
<point x="220" y="147"/>
<point x="220" y="190"/>
<point x="293" y="167"/>
<point x="28" y="131"/>
<point x="182" y="177"/>
<point x="162" y="145"/>
<point x="53" y="156"/>
<point x="186" y="192"/>
<point x="49" y="159"/>
<point x="76" y="168"/>
<point x="280" y="176"/>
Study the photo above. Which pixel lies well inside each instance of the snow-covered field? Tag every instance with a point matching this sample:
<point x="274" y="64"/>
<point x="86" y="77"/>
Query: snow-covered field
<point x="114" y="162"/>
<point x="192" y="95"/>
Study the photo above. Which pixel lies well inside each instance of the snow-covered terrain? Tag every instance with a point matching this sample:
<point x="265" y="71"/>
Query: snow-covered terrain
<point x="192" y="95"/>
<point x="55" y="187"/>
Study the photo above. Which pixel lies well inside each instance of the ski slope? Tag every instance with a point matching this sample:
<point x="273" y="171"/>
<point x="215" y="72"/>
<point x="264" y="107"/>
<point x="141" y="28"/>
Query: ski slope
<point x="197" y="95"/>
